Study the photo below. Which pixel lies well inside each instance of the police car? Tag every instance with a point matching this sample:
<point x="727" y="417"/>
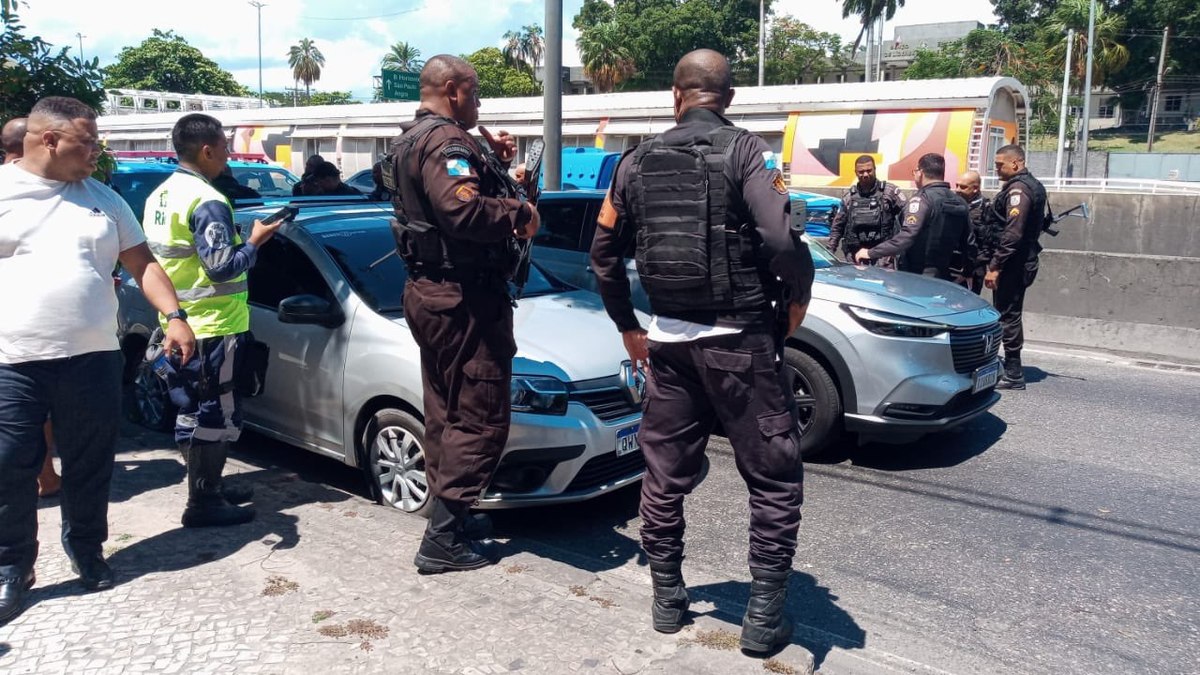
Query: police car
<point x="139" y="173"/>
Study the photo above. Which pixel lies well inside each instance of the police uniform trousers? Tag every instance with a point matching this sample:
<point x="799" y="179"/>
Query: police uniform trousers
<point x="734" y="379"/>
<point x="204" y="389"/>
<point x="82" y="395"/>
<point x="1017" y="275"/>
<point x="465" y="334"/>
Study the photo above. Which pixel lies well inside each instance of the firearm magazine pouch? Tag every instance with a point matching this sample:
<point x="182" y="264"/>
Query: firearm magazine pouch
<point x="251" y="379"/>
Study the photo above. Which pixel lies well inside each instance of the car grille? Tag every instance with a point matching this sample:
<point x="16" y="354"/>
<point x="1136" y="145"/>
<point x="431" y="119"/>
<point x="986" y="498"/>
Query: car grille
<point x="974" y="347"/>
<point x="607" y="468"/>
<point x="608" y="404"/>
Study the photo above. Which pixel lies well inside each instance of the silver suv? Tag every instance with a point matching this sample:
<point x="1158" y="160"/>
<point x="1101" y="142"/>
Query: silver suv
<point x="345" y="379"/>
<point x="888" y="355"/>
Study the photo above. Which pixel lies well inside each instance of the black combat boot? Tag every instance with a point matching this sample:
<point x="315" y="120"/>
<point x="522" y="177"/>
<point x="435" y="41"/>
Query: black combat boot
<point x="670" y="597"/>
<point x="1014" y="373"/>
<point x="445" y="548"/>
<point x="206" y="507"/>
<point x="765" y="626"/>
<point x="477" y="526"/>
<point x="236" y="495"/>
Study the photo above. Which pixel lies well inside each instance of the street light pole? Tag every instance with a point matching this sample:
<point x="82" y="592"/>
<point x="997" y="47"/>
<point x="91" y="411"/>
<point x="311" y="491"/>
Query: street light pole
<point x="1158" y="84"/>
<point x="1087" y="84"/>
<point x="762" y="38"/>
<point x="259" y="5"/>
<point x="1062" y="112"/>
<point x="552" y="97"/>
<point x="80" y="36"/>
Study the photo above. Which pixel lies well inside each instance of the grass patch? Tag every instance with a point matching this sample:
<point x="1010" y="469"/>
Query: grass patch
<point x="1117" y="141"/>
<point x="278" y="585"/>
<point x="777" y="666"/>
<point x="716" y="639"/>
<point x="320" y="615"/>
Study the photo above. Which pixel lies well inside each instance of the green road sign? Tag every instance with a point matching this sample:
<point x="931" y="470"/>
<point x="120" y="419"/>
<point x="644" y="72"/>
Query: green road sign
<point x="401" y="86"/>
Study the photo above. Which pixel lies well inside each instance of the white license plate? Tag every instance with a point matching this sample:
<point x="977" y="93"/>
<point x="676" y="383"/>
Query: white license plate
<point x="627" y="441"/>
<point x="986" y="377"/>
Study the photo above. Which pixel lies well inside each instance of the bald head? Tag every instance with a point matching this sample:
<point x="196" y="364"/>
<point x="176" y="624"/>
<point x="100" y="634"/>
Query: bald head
<point x="443" y="68"/>
<point x="968" y="185"/>
<point x="12" y="137"/>
<point x="702" y="80"/>
<point x="450" y="88"/>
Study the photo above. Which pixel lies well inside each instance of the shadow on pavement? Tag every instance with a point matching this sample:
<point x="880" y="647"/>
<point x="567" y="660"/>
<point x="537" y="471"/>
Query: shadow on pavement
<point x="1033" y="375"/>
<point x="820" y="625"/>
<point x="935" y="451"/>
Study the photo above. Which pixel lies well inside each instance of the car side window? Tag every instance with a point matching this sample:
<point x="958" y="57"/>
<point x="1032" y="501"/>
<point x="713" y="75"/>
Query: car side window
<point x="563" y="224"/>
<point x="589" y="230"/>
<point x="281" y="271"/>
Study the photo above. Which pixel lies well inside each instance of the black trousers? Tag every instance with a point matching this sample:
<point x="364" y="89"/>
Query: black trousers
<point x="465" y="334"/>
<point x="83" y="395"/>
<point x="733" y="378"/>
<point x="1009" y="299"/>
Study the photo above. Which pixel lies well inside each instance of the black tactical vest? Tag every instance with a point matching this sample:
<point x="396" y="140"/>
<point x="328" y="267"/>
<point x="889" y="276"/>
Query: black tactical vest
<point x="1037" y="212"/>
<point x="693" y="252"/>
<point x="868" y="221"/>
<point x="420" y="243"/>
<point x="947" y="223"/>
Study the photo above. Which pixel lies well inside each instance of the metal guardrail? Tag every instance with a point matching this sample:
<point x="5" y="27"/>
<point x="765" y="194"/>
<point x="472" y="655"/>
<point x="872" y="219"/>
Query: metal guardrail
<point x="1139" y="186"/>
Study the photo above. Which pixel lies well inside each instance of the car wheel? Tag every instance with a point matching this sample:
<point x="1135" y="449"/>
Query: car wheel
<point x="818" y="404"/>
<point x="149" y="403"/>
<point x="394" y="448"/>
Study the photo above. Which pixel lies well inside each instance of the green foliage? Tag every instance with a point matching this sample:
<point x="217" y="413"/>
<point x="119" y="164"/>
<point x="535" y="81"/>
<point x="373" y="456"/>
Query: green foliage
<point x="331" y="98"/>
<point x="869" y="11"/>
<point x="498" y="78"/>
<point x="166" y="62"/>
<point x="795" y="49"/>
<point x="403" y="57"/>
<point x="306" y="62"/>
<point x="524" y="48"/>
<point x="30" y="69"/>
<point x="605" y="59"/>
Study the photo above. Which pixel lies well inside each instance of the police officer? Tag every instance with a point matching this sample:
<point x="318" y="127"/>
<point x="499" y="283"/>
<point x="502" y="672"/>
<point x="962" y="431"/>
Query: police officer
<point x="870" y="213"/>
<point x="968" y="187"/>
<point x="711" y="275"/>
<point x="190" y="228"/>
<point x="936" y="226"/>
<point x="1019" y="210"/>
<point x="455" y="226"/>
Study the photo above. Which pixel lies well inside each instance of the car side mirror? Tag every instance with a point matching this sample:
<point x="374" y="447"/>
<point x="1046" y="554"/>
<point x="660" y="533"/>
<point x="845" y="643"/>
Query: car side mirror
<point x="309" y="309"/>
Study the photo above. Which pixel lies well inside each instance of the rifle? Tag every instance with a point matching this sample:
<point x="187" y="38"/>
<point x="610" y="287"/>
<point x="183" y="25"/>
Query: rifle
<point x="526" y="190"/>
<point x="1051" y="219"/>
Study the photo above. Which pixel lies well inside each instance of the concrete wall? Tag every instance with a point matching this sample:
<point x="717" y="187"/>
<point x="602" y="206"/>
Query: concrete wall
<point x="1041" y="163"/>
<point x="1122" y="223"/>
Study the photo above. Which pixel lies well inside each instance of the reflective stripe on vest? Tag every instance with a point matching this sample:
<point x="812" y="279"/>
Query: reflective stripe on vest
<point x="213" y="308"/>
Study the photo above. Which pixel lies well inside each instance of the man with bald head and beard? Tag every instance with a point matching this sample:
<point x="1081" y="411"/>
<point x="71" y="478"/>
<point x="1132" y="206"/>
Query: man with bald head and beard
<point x="455" y="226"/>
<point x="707" y="206"/>
<point x="968" y="187"/>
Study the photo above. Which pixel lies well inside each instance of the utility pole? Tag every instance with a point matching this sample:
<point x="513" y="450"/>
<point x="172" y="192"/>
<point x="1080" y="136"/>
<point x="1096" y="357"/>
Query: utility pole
<point x="1158" y="85"/>
<point x="1087" y="84"/>
<point x="1062" y="112"/>
<point x="552" y="101"/>
<point x="762" y="38"/>
<point x="257" y="4"/>
<point x="81" y="57"/>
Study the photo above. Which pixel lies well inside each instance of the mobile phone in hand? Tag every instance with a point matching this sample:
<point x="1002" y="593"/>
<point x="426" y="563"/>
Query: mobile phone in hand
<point x="284" y="214"/>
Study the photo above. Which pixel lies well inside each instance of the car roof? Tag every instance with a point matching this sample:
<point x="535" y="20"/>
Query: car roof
<point x="144" y="166"/>
<point x="323" y="216"/>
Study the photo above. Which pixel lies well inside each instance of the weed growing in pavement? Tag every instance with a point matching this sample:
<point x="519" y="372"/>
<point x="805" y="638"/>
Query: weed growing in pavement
<point x="278" y="585"/>
<point x="334" y="630"/>
<point x="364" y="628"/>
<point x="715" y="639"/>
<point x="775" y="666"/>
<point x="322" y="614"/>
<point x="516" y="569"/>
<point x="579" y="591"/>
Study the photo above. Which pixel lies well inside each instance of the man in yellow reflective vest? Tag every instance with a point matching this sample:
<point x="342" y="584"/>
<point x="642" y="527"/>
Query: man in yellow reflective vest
<point x="190" y="228"/>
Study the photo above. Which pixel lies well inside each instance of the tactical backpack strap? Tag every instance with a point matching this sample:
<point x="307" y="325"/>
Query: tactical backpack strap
<point x="718" y="247"/>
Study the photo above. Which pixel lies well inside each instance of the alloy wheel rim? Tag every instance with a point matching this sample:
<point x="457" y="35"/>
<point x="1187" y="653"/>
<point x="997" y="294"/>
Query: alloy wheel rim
<point x="400" y="468"/>
<point x="806" y="403"/>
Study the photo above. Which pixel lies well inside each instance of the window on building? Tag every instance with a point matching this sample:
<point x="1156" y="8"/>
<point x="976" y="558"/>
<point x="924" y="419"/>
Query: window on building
<point x="1105" y="112"/>
<point x="1173" y="103"/>
<point x="1075" y="111"/>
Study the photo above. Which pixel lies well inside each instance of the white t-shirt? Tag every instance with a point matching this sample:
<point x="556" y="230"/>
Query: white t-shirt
<point x="666" y="329"/>
<point x="59" y="243"/>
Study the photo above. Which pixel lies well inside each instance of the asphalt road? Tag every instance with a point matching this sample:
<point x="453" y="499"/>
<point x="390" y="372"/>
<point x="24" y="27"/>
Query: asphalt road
<point x="1058" y="534"/>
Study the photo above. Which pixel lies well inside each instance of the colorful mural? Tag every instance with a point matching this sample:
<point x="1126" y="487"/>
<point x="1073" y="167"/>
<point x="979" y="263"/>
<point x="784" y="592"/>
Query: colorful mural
<point x="819" y="148"/>
<point x="273" y="142"/>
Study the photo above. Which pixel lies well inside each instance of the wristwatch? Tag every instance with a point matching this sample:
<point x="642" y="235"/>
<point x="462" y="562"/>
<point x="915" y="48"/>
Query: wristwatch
<point x="177" y="314"/>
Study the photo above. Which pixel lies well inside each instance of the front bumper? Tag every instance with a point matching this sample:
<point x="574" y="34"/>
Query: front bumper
<point x="890" y="429"/>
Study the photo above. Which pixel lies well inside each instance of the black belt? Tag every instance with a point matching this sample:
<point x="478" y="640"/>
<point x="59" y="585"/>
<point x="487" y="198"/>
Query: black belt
<point x="442" y="275"/>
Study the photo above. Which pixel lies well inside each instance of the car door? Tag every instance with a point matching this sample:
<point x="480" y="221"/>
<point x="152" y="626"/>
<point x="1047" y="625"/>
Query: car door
<point x="302" y="399"/>
<point x="558" y="245"/>
<point x="589" y="281"/>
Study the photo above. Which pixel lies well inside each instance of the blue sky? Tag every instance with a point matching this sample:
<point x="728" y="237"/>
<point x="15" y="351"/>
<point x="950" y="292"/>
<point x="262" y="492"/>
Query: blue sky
<point x="355" y="34"/>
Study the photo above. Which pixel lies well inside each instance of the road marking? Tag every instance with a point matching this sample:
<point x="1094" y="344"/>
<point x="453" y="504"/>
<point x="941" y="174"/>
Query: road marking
<point x="1145" y="363"/>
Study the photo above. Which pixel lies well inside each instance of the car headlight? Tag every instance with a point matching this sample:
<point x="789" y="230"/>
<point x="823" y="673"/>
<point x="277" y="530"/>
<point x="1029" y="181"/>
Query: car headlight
<point x="545" y="395"/>
<point x="894" y="325"/>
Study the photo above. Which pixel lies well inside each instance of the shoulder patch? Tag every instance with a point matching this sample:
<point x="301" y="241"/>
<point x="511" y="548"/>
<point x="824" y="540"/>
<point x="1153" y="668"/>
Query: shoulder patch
<point x="216" y="235"/>
<point x="769" y="160"/>
<point x="914" y="205"/>
<point x="778" y="183"/>
<point x="608" y="214"/>
<point x="465" y="193"/>
<point x="910" y="219"/>
<point x="458" y="166"/>
<point x="1014" y="212"/>
<point x="456" y="150"/>
<point x="1014" y="199"/>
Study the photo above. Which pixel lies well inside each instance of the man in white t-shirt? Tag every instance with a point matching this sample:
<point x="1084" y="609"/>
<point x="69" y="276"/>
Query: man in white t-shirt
<point x="61" y="235"/>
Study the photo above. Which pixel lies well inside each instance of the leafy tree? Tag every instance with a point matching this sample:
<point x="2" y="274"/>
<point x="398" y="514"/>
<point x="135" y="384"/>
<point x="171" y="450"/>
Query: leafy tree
<point x="498" y="78"/>
<point x="331" y="98"/>
<point x="605" y="58"/>
<point x="166" y="62"/>
<point x="403" y="57"/>
<point x="30" y="69"/>
<point x="1023" y="20"/>
<point x="525" y="47"/>
<point x="593" y="13"/>
<point x="795" y="49"/>
<point x="306" y="62"/>
<point x="1136" y="80"/>
<point x="1109" y="55"/>
<point x="868" y="12"/>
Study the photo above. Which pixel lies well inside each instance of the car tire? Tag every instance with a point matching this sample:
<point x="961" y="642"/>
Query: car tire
<point x="818" y="403"/>
<point x="147" y="401"/>
<point x="394" y="466"/>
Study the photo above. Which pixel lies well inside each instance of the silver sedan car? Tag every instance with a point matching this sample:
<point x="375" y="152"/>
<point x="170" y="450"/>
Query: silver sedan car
<point x="344" y="378"/>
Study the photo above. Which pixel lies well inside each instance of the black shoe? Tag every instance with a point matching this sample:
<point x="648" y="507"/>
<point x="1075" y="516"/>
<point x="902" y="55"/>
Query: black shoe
<point x="766" y="626"/>
<point x="434" y="557"/>
<point x="13" y="591"/>
<point x="236" y="495"/>
<point x="477" y="526"/>
<point x="206" y="506"/>
<point x="94" y="573"/>
<point x="670" y="597"/>
<point x="214" y="511"/>
<point x="1010" y="384"/>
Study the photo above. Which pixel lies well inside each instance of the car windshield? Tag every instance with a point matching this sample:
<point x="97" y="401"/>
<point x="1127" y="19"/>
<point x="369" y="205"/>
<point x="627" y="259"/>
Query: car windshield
<point x="367" y="257"/>
<point x="266" y="180"/>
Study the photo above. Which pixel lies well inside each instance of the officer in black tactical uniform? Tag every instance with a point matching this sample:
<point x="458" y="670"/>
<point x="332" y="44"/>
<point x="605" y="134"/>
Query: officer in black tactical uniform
<point x="936" y="226"/>
<point x="1019" y="212"/>
<point x="711" y="275"/>
<point x="870" y="214"/>
<point x="455" y="226"/>
<point x="982" y="235"/>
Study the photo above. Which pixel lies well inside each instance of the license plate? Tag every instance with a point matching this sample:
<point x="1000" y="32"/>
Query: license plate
<point x="627" y="441"/>
<point x="986" y="377"/>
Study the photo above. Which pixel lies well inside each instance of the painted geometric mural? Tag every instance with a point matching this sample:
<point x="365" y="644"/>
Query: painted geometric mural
<point x="819" y="148"/>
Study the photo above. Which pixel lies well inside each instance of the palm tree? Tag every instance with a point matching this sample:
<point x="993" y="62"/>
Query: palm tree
<point x="306" y="61"/>
<point x="605" y="58"/>
<point x="869" y="12"/>
<point x="1109" y="55"/>
<point x="404" y="57"/>
<point x="524" y="48"/>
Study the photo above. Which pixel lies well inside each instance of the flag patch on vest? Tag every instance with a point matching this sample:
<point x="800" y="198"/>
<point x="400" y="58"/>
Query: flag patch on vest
<point x="769" y="160"/>
<point x="465" y="193"/>
<point x="1015" y="199"/>
<point x="914" y="205"/>
<point x="458" y="167"/>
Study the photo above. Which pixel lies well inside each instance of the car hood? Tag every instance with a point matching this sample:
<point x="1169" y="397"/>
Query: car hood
<point x="910" y="295"/>
<point x="812" y="199"/>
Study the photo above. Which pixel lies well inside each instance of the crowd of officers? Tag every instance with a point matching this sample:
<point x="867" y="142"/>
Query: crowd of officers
<point x="705" y="204"/>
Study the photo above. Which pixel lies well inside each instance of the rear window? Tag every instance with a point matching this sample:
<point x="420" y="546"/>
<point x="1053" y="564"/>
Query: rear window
<point x="265" y="180"/>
